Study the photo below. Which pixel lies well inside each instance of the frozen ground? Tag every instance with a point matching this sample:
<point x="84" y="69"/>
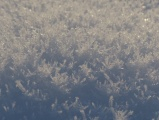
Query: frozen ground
<point x="79" y="60"/>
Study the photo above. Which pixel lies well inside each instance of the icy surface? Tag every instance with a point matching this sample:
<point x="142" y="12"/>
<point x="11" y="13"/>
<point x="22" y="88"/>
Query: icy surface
<point x="79" y="60"/>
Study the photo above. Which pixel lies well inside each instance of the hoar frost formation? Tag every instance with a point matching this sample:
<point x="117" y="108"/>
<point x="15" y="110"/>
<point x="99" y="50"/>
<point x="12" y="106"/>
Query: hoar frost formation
<point x="79" y="59"/>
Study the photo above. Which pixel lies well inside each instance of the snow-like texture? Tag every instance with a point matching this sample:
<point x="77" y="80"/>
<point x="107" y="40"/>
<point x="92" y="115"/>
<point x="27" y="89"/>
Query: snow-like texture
<point x="79" y="59"/>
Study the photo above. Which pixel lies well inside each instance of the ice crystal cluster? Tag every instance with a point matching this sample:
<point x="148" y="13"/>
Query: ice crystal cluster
<point x="79" y="59"/>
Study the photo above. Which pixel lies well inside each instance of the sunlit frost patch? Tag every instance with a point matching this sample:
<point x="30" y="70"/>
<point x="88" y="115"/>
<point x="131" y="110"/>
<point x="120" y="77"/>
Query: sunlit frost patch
<point x="79" y="60"/>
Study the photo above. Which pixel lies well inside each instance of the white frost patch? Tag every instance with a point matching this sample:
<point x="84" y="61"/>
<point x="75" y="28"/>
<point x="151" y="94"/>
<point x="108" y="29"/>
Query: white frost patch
<point x="20" y="86"/>
<point x="6" y="108"/>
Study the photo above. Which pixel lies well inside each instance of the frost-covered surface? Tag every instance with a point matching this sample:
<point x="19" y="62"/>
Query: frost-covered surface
<point x="79" y="59"/>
